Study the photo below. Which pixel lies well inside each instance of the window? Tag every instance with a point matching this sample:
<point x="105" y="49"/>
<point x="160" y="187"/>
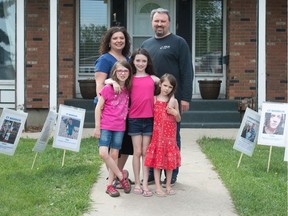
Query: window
<point x="7" y="40"/>
<point x="208" y="36"/>
<point x="93" y="23"/>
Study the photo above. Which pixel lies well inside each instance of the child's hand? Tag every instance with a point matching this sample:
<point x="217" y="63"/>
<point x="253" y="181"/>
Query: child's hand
<point x="97" y="133"/>
<point x="116" y="87"/>
<point x="171" y="111"/>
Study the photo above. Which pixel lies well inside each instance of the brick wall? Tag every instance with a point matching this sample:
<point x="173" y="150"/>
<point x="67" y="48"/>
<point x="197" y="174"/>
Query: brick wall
<point x="66" y="60"/>
<point x="37" y="55"/>
<point x="37" y="52"/>
<point x="242" y="49"/>
<point x="276" y="50"/>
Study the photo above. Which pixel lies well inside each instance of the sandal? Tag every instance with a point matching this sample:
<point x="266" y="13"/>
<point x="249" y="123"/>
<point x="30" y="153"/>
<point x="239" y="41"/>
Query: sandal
<point x="138" y="191"/>
<point x="116" y="184"/>
<point x="147" y="193"/>
<point x="170" y="192"/>
<point x="125" y="183"/>
<point x="160" y="194"/>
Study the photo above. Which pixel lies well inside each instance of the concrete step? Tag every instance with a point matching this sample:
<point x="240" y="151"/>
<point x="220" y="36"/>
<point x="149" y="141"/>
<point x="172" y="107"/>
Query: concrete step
<point x="202" y="114"/>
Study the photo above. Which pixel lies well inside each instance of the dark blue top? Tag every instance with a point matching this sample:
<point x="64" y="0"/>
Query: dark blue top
<point x="172" y="55"/>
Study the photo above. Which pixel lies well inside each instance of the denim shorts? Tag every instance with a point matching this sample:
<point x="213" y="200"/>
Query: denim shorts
<point x="140" y="126"/>
<point x="111" y="139"/>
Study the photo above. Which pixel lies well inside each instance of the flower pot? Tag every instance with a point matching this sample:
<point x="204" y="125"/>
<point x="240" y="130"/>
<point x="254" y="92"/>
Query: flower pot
<point x="209" y="89"/>
<point x="87" y="88"/>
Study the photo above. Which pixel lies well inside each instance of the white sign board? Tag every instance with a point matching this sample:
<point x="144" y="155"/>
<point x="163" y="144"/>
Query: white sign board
<point x="45" y="133"/>
<point x="247" y="134"/>
<point x="273" y="124"/>
<point x="69" y="127"/>
<point x="11" y="127"/>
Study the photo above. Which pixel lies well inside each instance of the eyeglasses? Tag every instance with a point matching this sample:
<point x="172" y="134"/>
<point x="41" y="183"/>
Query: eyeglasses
<point x="122" y="71"/>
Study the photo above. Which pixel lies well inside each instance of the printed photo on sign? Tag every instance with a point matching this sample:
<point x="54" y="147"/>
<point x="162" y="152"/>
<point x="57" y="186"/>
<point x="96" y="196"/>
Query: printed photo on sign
<point x="69" y="128"/>
<point x="273" y="123"/>
<point x="11" y="127"/>
<point x="246" y="139"/>
<point x="9" y="131"/>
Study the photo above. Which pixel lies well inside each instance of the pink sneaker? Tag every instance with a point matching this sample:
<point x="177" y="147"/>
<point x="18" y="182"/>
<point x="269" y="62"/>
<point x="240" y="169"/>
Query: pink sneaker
<point x="112" y="191"/>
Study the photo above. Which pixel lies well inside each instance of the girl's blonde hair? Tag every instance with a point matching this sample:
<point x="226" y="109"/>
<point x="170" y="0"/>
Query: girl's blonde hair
<point x="128" y="81"/>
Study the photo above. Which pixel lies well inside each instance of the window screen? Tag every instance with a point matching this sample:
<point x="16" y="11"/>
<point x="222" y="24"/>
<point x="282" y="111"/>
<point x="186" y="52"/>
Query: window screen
<point x="209" y="36"/>
<point x="7" y="40"/>
<point x="93" y="23"/>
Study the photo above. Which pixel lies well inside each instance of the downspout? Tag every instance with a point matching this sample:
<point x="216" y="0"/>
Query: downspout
<point x="20" y="55"/>
<point x="53" y="55"/>
<point x="261" y="54"/>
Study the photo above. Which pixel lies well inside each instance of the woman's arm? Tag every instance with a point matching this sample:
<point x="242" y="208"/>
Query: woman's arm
<point x="100" y="78"/>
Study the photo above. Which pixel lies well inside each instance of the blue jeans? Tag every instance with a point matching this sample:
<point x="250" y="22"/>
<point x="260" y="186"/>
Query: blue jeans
<point x="178" y="140"/>
<point x="111" y="139"/>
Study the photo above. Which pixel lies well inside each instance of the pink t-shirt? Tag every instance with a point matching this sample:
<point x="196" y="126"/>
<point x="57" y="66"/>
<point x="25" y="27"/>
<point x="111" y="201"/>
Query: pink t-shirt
<point x="142" y="97"/>
<point x="115" y="109"/>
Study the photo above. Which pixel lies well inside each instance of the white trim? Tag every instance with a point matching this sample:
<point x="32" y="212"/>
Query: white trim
<point x="78" y="95"/>
<point x="20" y="55"/>
<point x="224" y="47"/>
<point x="193" y="47"/>
<point x="261" y="53"/>
<point x="53" y="54"/>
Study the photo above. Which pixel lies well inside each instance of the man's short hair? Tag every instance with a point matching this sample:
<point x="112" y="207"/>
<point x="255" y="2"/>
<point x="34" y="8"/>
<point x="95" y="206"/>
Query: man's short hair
<point x="161" y="11"/>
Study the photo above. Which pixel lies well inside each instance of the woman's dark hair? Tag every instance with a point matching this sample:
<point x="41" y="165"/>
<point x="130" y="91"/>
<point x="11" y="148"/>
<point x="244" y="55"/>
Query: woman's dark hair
<point x="172" y="81"/>
<point x="106" y="38"/>
<point x="128" y="82"/>
<point x="149" y="69"/>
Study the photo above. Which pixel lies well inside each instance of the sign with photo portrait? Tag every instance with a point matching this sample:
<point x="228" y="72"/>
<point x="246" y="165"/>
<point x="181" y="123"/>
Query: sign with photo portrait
<point x="69" y="128"/>
<point x="246" y="139"/>
<point x="273" y="124"/>
<point x="11" y="126"/>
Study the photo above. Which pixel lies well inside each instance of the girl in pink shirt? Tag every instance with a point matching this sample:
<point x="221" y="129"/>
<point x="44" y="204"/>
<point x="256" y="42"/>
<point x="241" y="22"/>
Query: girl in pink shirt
<point x="140" y="116"/>
<point x="110" y="123"/>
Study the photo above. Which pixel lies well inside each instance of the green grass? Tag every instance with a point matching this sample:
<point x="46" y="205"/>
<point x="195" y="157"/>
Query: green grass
<point x="254" y="190"/>
<point x="48" y="188"/>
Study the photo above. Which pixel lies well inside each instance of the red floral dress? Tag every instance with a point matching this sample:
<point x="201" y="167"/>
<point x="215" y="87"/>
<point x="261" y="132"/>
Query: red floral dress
<point x="163" y="152"/>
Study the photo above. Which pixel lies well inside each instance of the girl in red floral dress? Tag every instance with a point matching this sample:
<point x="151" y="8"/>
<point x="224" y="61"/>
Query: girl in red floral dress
<point x="163" y="152"/>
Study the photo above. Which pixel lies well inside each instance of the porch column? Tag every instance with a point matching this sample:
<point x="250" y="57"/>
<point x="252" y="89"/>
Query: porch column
<point x="53" y="55"/>
<point x="261" y="53"/>
<point x="20" y="55"/>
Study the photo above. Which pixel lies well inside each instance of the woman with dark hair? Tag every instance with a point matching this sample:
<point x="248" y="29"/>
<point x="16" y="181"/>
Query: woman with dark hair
<point x="274" y="123"/>
<point x="115" y="46"/>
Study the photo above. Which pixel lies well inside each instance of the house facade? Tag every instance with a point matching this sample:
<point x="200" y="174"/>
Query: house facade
<point x="47" y="46"/>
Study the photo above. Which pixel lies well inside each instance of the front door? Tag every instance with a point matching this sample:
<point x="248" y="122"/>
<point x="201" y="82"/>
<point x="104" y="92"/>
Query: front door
<point x="199" y="22"/>
<point x="139" y="22"/>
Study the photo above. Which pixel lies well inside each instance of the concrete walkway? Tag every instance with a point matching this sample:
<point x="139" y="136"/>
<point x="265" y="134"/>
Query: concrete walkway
<point x="200" y="192"/>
